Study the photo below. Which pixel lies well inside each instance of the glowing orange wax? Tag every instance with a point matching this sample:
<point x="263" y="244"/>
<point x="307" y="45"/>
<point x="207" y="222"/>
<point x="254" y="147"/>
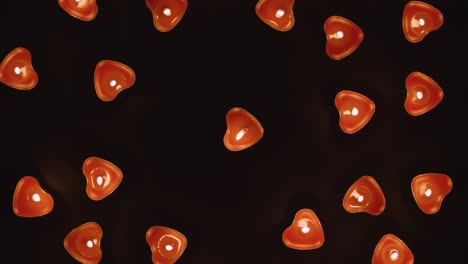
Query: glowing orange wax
<point x="365" y="195"/>
<point x="85" y="10"/>
<point x="419" y="19"/>
<point x="16" y="70"/>
<point x="30" y="200"/>
<point x="102" y="177"/>
<point x="429" y="190"/>
<point x="111" y="78"/>
<point x="166" y="244"/>
<point x="243" y="129"/>
<point x="166" y="13"/>
<point x="422" y="94"/>
<point x="392" y="250"/>
<point x="343" y="37"/>
<point x="355" y="110"/>
<point x="84" y="243"/>
<point x="305" y="232"/>
<point x="277" y="14"/>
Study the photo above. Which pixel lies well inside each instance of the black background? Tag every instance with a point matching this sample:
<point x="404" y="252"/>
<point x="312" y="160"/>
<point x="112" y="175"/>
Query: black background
<point x="166" y="132"/>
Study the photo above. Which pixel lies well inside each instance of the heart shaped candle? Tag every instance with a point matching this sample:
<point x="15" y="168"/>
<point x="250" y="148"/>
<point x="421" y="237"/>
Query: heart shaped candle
<point x="102" y="177"/>
<point x="305" y="232"/>
<point x="166" y="244"/>
<point x="429" y="190"/>
<point x="355" y="110"/>
<point x="366" y="196"/>
<point x="30" y="200"/>
<point x="243" y="130"/>
<point x="111" y="78"/>
<point x="85" y="10"/>
<point x="83" y="243"/>
<point x="278" y="14"/>
<point x="419" y="19"/>
<point x="422" y="94"/>
<point x="166" y="13"/>
<point x="392" y="250"/>
<point x="16" y="70"/>
<point x="343" y="37"/>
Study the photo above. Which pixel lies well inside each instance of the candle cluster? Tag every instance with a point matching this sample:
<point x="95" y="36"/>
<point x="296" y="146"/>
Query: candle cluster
<point x="243" y="130"/>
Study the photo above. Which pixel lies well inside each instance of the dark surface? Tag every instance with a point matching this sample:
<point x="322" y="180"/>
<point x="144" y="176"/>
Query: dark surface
<point x="166" y="132"/>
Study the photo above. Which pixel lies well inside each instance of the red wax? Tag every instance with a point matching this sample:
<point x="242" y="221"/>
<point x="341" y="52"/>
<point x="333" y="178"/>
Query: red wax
<point x="166" y="13"/>
<point x="365" y="195"/>
<point x="243" y="129"/>
<point x="84" y="243"/>
<point x="429" y="190"/>
<point x="166" y="244"/>
<point x="102" y="177"/>
<point x="419" y="19"/>
<point x="305" y="232"/>
<point x="30" y="200"/>
<point x="343" y="37"/>
<point x="16" y="70"/>
<point x="111" y="78"/>
<point x="422" y="94"/>
<point x="277" y="14"/>
<point x="392" y="250"/>
<point x="355" y="110"/>
<point x="85" y="10"/>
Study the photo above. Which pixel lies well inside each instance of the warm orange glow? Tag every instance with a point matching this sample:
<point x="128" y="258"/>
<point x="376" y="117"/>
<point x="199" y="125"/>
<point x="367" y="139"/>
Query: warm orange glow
<point x="111" y="78"/>
<point x="355" y="110"/>
<point x="16" y="70"/>
<point x="429" y="190"/>
<point x="305" y="232"/>
<point x="167" y="244"/>
<point x="30" y="200"/>
<point x="102" y="177"/>
<point x="419" y="19"/>
<point x="365" y="195"/>
<point x="392" y="250"/>
<point x="84" y="243"/>
<point x="422" y="94"/>
<point x="85" y="10"/>
<point x="243" y="130"/>
<point x="277" y="14"/>
<point x="343" y="37"/>
<point x="167" y="13"/>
